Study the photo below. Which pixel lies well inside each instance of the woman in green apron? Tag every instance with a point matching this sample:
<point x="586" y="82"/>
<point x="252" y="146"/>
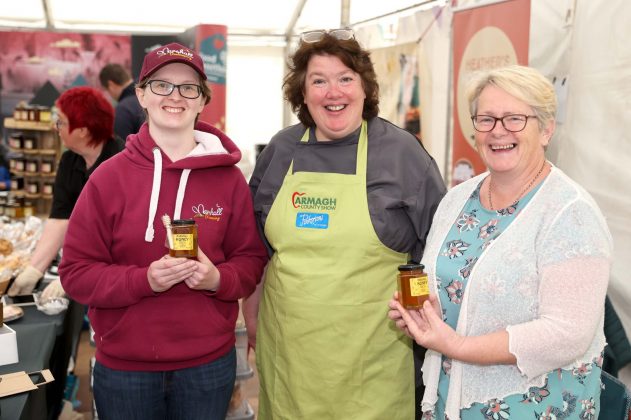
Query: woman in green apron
<point x="342" y="198"/>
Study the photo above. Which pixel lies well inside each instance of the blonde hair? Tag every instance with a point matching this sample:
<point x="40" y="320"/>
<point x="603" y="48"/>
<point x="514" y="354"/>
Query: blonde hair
<point x="524" y="83"/>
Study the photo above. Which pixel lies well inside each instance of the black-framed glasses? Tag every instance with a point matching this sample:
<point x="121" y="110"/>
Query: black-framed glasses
<point x="513" y="122"/>
<point x="187" y="90"/>
<point x="59" y="123"/>
<point x="343" y="34"/>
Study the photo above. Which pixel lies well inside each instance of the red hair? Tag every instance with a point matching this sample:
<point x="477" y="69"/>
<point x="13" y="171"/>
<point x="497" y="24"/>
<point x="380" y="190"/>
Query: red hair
<point x="87" y="107"/>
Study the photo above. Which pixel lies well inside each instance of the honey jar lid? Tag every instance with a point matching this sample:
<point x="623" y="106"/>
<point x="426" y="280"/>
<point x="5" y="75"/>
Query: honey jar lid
<point x="183" y="222"/>
<point x="411" y="267"/>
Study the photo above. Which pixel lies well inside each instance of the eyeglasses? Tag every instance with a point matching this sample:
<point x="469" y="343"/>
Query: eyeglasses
<point x="59" y="124"/>
<point x="513" y="122"/>
<point x="162" y="88"/>
<point x="314" y="36"/>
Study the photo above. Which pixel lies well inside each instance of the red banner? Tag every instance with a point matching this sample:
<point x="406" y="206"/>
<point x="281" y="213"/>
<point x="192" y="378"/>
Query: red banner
<point x="484" y="37"/>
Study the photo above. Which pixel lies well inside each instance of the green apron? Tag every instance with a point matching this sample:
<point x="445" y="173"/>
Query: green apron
<point x="325" y="347"/>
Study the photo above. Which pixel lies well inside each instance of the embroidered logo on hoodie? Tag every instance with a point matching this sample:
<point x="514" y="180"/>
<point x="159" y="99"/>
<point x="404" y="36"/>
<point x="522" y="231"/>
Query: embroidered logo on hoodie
<point x="214" y="213"/>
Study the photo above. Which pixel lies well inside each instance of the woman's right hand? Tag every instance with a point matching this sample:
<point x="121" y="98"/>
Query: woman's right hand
<point x="168" y="271"/>
<point x="426" y="326"/>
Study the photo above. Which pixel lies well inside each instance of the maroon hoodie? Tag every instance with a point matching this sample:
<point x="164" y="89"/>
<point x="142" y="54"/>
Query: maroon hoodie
<point x="116" y="231"/>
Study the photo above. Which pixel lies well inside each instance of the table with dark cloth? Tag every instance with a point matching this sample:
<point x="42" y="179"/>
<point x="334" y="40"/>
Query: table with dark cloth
<point x="44" y="342"/>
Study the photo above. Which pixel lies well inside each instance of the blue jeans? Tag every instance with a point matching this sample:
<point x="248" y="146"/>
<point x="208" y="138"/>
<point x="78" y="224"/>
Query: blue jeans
<point x="201" y="392"/>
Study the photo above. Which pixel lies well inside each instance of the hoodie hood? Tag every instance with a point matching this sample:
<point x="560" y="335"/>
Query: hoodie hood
<point x="214" y="149"/>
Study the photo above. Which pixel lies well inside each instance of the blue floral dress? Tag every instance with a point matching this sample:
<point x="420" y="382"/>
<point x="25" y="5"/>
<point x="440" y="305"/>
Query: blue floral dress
<point x="566" y="394"/>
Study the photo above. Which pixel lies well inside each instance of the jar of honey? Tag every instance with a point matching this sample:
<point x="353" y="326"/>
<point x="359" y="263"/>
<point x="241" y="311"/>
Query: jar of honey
<point x="413" y="286"/>
<point x="183" y="241"/>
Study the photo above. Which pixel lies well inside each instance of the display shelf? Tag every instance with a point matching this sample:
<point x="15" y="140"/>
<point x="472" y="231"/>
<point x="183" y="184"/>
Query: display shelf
<point x="34" y="152"/>
<point x="28" y="125"/>
<point x="49" y="152"/>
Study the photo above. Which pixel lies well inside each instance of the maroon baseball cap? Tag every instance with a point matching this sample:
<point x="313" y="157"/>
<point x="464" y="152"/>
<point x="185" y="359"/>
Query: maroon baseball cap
<point x="171" y="53"/>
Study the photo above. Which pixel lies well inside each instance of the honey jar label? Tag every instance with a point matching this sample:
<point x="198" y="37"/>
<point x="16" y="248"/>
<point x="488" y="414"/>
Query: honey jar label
<point x="419" y="286"/>
<point x="182" y="241"/>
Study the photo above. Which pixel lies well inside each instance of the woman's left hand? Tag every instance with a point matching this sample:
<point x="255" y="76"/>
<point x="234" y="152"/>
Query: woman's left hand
<point x="427" y="328"/>
<point x="206" y="276"/>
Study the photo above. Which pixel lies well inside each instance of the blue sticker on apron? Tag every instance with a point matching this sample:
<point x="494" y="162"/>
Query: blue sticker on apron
<point x="312" y="220"/>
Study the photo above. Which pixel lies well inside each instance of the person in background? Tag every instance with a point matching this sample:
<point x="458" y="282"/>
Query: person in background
<point x="84" y="123"/>
<point x="164" y="326"/>
<point x="119" y="85"/>
<point x="342" y="198"/>
<point x="518" y="260"/>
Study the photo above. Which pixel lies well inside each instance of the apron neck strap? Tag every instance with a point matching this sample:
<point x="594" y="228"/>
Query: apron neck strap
<point x="362" y="149"/>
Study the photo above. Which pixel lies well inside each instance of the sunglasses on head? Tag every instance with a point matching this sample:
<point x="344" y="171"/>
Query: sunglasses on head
<point x="314" y="36"/>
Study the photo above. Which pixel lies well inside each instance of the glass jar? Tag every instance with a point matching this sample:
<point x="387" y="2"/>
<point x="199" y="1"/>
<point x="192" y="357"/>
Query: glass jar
<point x="47" y="165"/>
<point x="17" y="112"/>
<point x="32" y="166"/>
<point x="45" y="114"/>
<point x="16" y="140"/>
<point x="20" y="164"/>
<point x="47" y="188"/>
<point x="30" y="113"/>
<point x="17" y="183"/>
<point x="413" y="286"/>
<point x="183" y="240"/>
<point x="32" y="186"/>
<point x="28" y="143"/>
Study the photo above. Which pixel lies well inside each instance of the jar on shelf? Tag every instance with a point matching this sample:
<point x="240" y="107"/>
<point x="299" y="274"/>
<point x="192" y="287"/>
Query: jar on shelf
<point x="47" y="166"/>
<point x="29" y="143"/>
<point x="4" y="199"/>
<point x="32" y="166"/>
<point x="31" y="186"/>
<point x="45" y="114"/>
<point x="48" y="142"/>
<point x="30" y="112"/>
<point x="47" y="188"/>
<point x="17" y="183"/>
<point x="20" y="113"/>
<point x="19" y="164"/>
<point x="16" y="140"/>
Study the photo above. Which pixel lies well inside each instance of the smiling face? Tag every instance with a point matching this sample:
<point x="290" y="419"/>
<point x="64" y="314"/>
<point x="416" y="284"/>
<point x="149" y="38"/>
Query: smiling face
<point x="172" y="112"/>
<point x="334" y="96"/>
<point x="503" y="151"/>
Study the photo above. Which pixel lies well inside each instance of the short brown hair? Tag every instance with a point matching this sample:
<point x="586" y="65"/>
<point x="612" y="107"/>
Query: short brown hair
<point x="114" y="72"/>
<point x="351" y="54"/>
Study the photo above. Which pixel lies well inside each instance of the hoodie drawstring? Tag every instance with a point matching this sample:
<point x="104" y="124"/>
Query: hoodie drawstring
<point x="155" y="193"/>
<point x="180" y="194"/>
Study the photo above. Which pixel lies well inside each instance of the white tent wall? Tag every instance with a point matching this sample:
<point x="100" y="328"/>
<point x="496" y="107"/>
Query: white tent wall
<point x="587" y="44"/>
<point x="595" y="148"/>
<point x="254" y="102"/>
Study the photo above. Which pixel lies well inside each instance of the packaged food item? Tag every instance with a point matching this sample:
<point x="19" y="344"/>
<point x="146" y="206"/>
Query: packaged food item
<point x="15" y="140"/>
<point x="183" y="238"/>
<point x="413" y="286"/>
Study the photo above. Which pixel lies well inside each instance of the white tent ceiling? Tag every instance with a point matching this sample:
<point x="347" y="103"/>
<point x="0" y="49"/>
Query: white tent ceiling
<point x="242" y="17"/>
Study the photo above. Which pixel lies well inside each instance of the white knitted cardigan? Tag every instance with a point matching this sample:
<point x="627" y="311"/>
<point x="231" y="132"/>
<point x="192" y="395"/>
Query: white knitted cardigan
<point x="543" y="280"/>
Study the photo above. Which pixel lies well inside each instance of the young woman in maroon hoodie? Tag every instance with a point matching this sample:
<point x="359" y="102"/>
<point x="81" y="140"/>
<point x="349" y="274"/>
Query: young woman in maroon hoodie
<point x="164" y="327"/>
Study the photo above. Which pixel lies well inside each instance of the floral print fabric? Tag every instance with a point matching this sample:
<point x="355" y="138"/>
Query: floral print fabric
<point x="566" y="394"/>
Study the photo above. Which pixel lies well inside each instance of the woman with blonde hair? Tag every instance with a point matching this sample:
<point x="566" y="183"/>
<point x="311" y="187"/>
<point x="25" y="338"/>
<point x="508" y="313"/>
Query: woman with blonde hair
<point x="518" y="260"/>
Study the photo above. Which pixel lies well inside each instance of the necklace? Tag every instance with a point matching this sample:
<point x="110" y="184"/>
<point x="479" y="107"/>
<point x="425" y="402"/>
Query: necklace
<point x="522" y="191"/>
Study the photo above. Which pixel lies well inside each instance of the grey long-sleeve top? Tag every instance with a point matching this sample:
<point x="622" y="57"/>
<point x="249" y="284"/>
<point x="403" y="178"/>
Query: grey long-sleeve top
<point x="404" y="185"/>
